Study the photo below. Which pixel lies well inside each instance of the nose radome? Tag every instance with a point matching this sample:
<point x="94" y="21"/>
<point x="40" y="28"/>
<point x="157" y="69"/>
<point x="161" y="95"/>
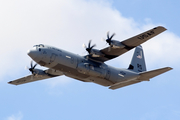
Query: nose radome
<point x="32" y="53"/>
<point x="28" y="52"/>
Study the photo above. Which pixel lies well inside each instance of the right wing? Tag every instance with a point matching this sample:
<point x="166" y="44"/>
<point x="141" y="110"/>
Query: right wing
<point x="49" y="73"/>
<point x="129" y="44"/>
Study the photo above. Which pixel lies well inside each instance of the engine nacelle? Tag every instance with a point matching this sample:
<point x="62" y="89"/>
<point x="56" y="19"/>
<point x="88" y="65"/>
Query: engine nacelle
<point x="117" y="44"/>
<point x="88" y="69"/>
<point x="39" y="72"/>
<point x="96" y="53"/>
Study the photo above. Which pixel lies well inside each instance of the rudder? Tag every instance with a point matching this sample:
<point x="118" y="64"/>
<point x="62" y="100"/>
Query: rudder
<point x="138" y="60"/>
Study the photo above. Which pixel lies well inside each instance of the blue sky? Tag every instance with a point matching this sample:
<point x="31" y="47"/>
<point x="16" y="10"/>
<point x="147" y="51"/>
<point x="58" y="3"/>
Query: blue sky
<point x="67" y="25"/>
<point x="160" y="11"/>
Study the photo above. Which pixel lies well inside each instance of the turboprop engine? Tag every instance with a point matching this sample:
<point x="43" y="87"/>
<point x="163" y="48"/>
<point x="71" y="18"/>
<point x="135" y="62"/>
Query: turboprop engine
<point x="113" y="43"/>
<point x="36" y="72"/>
<point x="91" y="51"/>
<point x="116" y="44"/>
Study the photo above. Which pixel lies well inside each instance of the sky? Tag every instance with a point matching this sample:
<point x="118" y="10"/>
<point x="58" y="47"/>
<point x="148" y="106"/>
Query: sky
<point x="67" y="25"/>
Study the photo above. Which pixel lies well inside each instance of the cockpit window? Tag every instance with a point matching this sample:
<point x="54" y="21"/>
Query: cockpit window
<point x="40" y="45"/>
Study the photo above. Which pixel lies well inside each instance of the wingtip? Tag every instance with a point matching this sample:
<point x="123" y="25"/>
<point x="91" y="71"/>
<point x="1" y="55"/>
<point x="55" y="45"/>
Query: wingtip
<point x="111" y="88"/>
<point x="160" y="27"/>
<point x="9" y="82"/>
<point x="170" y="68"/>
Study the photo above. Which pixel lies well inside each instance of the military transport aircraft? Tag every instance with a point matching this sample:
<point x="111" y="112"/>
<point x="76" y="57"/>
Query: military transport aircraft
<point x="91" y="67"/>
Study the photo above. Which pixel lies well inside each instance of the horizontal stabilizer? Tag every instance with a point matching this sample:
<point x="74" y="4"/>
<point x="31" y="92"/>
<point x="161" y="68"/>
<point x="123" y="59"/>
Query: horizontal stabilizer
<point x="150" y="74"/>
<point x="143" y="76"/>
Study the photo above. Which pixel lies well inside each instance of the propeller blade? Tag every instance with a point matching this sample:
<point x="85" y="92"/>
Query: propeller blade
<point x="108" y="34"/>
<point x="35" y="65"/>
<point x="26" y="68"/>
<point x="89" y="48"/>
<point x="89" y="45"/>
<point x="84" y="46"/>
<point x="93" y="46"/>
<point x="31" y="63"/>
<point x="103" y="39"/>
<point x="112" y="35"/>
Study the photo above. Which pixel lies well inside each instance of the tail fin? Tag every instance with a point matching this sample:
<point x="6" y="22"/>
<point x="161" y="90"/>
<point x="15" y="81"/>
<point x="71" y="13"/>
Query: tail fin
<point x="138" y="61"/>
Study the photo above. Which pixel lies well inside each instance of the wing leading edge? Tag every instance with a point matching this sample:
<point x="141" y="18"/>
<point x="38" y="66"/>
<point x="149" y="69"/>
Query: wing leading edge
<point x="129" y="44"/>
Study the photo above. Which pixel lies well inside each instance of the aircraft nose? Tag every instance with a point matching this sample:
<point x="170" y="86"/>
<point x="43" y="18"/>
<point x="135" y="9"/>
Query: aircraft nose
<point x="32" y="53"/>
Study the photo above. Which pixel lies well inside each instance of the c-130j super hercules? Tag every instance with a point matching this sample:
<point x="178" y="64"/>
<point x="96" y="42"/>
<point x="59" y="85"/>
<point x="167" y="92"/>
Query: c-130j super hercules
<point x="91" y="68"/>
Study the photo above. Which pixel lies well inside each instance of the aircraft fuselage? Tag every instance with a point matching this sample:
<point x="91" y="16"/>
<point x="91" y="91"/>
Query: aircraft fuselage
<point x="79" y="67"/>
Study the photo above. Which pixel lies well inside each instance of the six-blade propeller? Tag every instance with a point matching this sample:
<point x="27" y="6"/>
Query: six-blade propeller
<point x="32" y="67"/>
<point x="109" y="39"/>
<point x="89" y="48"/>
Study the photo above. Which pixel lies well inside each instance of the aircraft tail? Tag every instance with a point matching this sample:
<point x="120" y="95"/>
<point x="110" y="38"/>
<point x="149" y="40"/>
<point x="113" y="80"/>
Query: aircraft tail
<point x="138" y="61"/>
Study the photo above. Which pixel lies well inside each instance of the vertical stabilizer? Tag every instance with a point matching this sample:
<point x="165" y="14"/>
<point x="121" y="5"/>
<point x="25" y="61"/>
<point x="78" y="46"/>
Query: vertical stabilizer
<point x="138" y="61"/>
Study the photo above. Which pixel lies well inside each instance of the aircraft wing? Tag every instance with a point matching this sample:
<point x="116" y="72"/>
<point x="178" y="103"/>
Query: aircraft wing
<point x="129" y="44"/>
<point x="49" y="73"/>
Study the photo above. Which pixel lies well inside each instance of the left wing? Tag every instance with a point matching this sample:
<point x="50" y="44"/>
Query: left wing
<point x="49" y="73"/>
<point x="128" y="45"/>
